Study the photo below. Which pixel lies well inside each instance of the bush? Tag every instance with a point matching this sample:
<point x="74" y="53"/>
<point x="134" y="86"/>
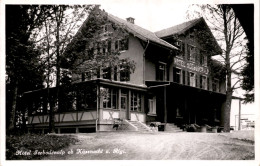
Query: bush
<point x="32" y="142"/>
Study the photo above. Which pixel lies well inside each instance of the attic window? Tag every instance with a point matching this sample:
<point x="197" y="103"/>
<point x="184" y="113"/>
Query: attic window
<point x="192" y="36"/>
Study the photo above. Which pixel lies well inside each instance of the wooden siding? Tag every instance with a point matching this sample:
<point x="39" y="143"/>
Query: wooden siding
<point x="64" y="117"/>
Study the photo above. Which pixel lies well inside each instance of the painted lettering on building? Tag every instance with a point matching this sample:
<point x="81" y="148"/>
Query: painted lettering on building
<point x="191" y="66"/>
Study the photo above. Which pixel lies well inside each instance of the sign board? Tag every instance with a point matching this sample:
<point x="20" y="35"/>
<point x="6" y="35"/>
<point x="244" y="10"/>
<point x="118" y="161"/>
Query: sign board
<point x="191" y="66"/>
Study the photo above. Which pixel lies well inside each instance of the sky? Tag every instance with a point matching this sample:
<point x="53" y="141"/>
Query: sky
<point x="152" y="15"/>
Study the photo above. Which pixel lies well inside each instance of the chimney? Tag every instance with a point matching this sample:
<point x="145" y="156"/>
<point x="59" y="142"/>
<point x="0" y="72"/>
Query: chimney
<point x="130" y="19"/>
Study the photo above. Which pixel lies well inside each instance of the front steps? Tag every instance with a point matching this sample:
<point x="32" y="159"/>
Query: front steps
<point x="171" y="127"/>
<point x="140" y="126"/>
<point x="127" y="125"/>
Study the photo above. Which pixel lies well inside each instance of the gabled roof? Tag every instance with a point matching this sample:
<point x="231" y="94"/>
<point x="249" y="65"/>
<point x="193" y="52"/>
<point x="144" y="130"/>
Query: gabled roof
<point x="140" y="32"/>
<point x="182" y="28"/>
<point x="177" y="29"/>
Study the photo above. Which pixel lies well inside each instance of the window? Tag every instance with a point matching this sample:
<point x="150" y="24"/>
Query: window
<point x="192" y="80"/>
<point x="86" y="98"/>
<point x="191" y="53"/>
<point x="110" y="98"/>
<point x="203" y="82"/>
<point x="192" y="36"/>
<point x="215" y="85"/>
<point x="135" y="102"/>
<point x="188" y="52"/>
<point x="203" y="60"/>
<point x="152" y="106"/>
<point x="178" y="112"/>
<point x="121" y="45"/>
<point x="161" y="71"/>
<point x="176" y="75"/>
<point x="87" y="75"/>
<point x="105" y="28"/>
<point x="183" y="78"/>
<point x="124" y="99"/>
<point x="124" y="73"/>
<point x="197" y="80"/>
<point x="115" y="73"/>
<point x="109" y="46"/>
<point x="107" y="73"/>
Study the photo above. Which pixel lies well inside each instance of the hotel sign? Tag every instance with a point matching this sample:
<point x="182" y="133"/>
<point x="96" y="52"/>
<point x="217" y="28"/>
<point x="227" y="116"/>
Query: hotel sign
<point x="191" y="66"/>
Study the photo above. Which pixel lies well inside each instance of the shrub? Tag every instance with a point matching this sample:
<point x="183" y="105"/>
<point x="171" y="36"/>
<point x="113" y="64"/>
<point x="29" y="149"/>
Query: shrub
<point x="32" y="142"/>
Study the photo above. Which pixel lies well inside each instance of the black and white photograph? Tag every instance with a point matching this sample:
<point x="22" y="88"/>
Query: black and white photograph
<point x="146" y="80"/>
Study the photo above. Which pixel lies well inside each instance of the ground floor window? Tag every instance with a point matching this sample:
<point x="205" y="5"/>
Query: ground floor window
<point x="110" y="98"/>
<point x="86" y="98"/>
<point x="215" y="85"/>
<point x="135" y="101"/>
<point x="178" y="112"/>
<point x="203" y="82"/>
<point x="152" y="106"/>
<point x="192" y="79"/>
<point x="183" y="77"/>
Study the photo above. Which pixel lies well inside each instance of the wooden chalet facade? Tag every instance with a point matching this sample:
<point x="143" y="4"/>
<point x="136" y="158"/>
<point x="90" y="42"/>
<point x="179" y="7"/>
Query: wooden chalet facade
<point x="172" y="83"/>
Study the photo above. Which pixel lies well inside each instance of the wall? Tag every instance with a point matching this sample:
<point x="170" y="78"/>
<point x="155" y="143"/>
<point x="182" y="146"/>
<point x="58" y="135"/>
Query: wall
<point x="135" y="52"/>
<point x="150" y="70"/>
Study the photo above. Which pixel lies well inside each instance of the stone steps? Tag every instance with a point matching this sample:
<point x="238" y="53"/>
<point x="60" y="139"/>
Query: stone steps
<point x="172" y="128"/>
<point x="140" y="127"/>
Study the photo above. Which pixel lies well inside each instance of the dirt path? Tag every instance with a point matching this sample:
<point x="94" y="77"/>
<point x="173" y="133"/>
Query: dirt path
<point x="157" y="146"/>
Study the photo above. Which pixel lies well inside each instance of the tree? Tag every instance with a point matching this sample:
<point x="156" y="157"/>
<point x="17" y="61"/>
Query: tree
<point x="248" y="75"/>
<point x="58" y="30"/>
<point x="90" y="51"/>
<point x="230" y="36"/>
<point x="63" y="50"/>
<point x="23" y="69"/>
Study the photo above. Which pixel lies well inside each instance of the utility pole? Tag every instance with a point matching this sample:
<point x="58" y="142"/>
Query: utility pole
<point x="239" y="115"/>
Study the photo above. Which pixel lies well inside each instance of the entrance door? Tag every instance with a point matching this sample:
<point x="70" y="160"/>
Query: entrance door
<point x="123" y="112"/>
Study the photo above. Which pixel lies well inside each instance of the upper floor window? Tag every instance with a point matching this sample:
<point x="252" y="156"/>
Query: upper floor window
<point x="176" y="75"/>
<point x="203" y="60"/>
<point x="107" y="73"/>
<point x="161" y="71"/>
<point x="192" y="36"/>
<point x="87" y="76"/>
<point x="124" y="73"/>
<point x="215" y="85"/>
<point x="121" y="45"/>
<point x="181" y="46"/>
<point x="191" y="53"/>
